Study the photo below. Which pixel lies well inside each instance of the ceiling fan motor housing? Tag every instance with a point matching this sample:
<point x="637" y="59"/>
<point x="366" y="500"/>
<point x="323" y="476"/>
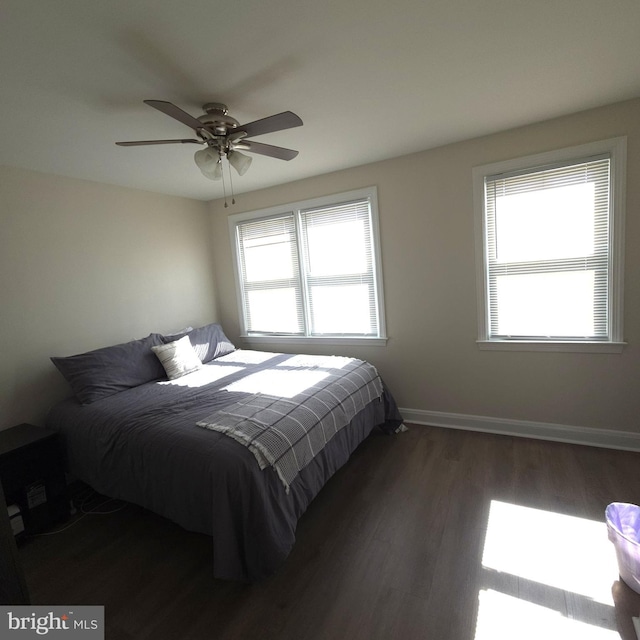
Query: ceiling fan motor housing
<point x="216" y="118"/>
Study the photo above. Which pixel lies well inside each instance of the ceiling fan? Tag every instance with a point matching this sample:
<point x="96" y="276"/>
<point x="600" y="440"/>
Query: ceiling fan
<point x="224" y="136"/>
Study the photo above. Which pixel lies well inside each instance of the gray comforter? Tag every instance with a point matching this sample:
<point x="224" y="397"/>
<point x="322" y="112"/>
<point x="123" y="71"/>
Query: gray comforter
<point x="143" y="445"/>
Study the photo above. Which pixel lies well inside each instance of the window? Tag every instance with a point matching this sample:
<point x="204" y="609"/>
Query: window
<point x="311" y="270"/>
<point x="549" y="234"/>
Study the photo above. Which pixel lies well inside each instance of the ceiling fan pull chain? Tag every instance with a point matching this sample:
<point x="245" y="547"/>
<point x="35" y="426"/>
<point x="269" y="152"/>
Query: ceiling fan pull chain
<point x="233" y="200"/>
<point x="224" y="190"/>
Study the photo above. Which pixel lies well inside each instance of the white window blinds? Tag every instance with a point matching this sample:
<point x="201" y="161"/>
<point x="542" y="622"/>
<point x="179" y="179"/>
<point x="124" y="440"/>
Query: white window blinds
<point x="270" y="276"/>
<point x="310" y="272"/>
<point x="338" y="269"/>
<point x="548" y="252"/>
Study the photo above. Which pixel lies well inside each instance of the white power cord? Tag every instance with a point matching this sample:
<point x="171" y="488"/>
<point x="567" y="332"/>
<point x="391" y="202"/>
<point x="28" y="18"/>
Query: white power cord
<point x="91" y="511"/>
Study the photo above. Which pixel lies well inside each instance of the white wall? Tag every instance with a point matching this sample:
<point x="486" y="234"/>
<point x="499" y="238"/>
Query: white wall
<point x="85" y="265"/>
<point x="431" y="361"/>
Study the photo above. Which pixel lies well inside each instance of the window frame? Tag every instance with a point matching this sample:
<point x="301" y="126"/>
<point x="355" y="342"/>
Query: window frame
<point x="616" y="148"/>
<point x="369" y="193"/>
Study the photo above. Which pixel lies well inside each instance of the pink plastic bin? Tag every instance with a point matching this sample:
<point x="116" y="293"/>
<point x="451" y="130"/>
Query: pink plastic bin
<point x="623" y="525"/>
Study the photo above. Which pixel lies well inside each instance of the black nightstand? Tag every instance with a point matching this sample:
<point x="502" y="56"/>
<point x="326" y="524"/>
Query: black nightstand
<point x="32" y="476"/>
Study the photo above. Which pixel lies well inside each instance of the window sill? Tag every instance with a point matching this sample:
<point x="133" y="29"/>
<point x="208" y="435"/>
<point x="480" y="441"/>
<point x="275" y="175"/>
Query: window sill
<point x="349" y="341"/>
<point x="533" y="345"/>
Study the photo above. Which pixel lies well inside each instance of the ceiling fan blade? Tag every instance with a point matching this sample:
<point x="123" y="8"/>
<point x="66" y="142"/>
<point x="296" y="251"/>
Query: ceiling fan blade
<point x="175" y="112"/>
<point x="137" y="143"/>
<point x="267" y="150"/>
<point x="284" y="120"/>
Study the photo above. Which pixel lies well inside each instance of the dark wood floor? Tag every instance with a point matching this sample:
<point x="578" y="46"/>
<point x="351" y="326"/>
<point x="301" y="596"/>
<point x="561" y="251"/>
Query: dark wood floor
<point x="391" y="548"/>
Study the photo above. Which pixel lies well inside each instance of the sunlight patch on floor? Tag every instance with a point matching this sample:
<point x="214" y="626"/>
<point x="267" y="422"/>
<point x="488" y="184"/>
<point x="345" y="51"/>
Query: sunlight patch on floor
<point x="504" y="617"/>
<point x="566" y="552"/>
<point x="525" y="547"/>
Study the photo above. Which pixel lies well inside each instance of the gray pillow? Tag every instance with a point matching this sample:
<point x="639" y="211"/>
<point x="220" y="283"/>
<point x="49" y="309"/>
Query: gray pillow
<point x="209" y="342"/>
<point x="104" y="372"/>
<point x="176" y="335"/>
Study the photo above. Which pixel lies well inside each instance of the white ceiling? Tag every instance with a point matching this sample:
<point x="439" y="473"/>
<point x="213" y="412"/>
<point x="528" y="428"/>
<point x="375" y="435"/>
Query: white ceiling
<point x="371" y="79"/>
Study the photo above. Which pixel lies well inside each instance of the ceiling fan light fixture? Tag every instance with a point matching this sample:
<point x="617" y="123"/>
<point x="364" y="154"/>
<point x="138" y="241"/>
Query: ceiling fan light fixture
<point x="239" y="161"/>
<point x="208" y="162"/>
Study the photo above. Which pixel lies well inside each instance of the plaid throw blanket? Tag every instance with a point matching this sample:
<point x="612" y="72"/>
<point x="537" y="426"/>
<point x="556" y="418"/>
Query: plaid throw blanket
<point x="287" y="432"/>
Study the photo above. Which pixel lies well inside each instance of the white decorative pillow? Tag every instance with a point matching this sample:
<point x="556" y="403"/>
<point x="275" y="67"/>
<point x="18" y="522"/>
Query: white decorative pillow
<point x="178" y="358"/>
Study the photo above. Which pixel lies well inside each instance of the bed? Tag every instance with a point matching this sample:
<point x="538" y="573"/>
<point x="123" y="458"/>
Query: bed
<point x="174" y="446"/>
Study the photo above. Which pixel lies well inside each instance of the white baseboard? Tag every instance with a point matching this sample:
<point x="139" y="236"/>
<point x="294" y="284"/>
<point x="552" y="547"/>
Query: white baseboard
<point x="606" y="438"/>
